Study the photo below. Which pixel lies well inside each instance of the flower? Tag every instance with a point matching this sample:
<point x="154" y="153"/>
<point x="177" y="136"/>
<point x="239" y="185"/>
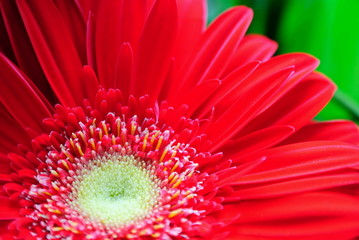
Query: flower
<point x="132" y="120"/>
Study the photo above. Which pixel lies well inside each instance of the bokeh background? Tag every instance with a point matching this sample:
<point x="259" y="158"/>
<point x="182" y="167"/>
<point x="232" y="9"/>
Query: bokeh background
<point x="327" y="29"/>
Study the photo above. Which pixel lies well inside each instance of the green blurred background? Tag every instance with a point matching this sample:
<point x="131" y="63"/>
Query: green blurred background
<point x="327" y="29"/>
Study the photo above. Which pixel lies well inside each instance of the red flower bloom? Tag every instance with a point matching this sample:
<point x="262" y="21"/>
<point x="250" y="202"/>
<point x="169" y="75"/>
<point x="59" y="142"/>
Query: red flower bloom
<point x="132" y="120"/>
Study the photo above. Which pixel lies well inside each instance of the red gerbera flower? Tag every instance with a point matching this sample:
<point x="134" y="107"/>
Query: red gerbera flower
<point x="132" y="120"/>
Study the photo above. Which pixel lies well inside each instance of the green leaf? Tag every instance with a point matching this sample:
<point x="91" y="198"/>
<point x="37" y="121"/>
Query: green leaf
<point x="215" y="7"/>
<point x="328" y="29"/>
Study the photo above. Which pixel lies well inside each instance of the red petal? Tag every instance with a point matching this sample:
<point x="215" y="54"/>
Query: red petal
<point x="5" y="234"/>
<point x="253" y="47"/>
<point x="302" y="65"/>
<point x="155" y="49"/>
<point x="198" y="95"/>
<point x="300" y="159"/>
<point x="116" y="22"/>
<point x="192" y="20"/>
<point x="307" y="184"/>
<point x="75" y="24"/>
<point x="257" y="141"/>
<point x="91" y="85"/>
<point x="124" y="69"/>
<point x="213" y="50"/>
<point x="11" y="133"/>
<point x="252" y="99"/>
<point x="8" y="209"/>
<point x="5" y="164"/>
<point x="298" y="106"/>
<point x="22" y="47"/>
<point x="28" y="109"/>
<point x="229" y="84"/>
<point x="345" y="131"/>
<point x="307" y="216"/>
<point x="55" y="49"/>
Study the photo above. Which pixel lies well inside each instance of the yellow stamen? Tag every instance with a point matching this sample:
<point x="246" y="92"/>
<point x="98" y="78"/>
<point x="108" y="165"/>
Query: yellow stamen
<point x="104" y="127"/>
<point x="144" y="142"/>
<point x="53" y="172"/>
<point x="92" y="143"/>
<point x="164" y="154"/>
<point x="78" y="146"/>
<point x="55" y="186"/>
<point x="175" y="166"/>
<point x="154" y="137"/>
<point x="159" y="142"/>
<point x="174" y="213"/>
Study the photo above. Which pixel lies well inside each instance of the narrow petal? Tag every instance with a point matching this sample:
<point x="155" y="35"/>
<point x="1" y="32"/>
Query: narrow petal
<point x="8" y="209"/>
<point x="296" y="186"/>
<point x="31" y="115"/>
<point x="198" y="95"/>
<point x="214" y="49"/>
<point x="229" y="84"/>
<point x="345" y="131"/>
<point x="192" y="20"/>
<point x="5" y="234"/>
<point x="63" y="69"/>
<point x="253" y="47"/>
<point x="22" y="47"/>
<point x="256" y="96"/>
<point x="300" y="159"/>
<point x="124" y="69"/>
<point x="75" y="23"/>
<point x="257" y="141"/>
<point x="306" y="216"/>
<point x="12" y="133"/>
<point x="116" y="22"/>
<point x="155" y="48"/>
<point x="298" y="106"/>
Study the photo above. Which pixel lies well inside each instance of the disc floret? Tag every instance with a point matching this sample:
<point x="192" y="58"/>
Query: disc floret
<point x="109" y="173"/>
<point x="115" y="190"/>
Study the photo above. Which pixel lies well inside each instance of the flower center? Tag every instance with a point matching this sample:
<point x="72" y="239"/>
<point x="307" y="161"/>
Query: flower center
<point x="115" y="190"/>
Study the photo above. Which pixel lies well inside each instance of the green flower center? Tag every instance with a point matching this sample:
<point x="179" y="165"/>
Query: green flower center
<point x="115" y="190"/>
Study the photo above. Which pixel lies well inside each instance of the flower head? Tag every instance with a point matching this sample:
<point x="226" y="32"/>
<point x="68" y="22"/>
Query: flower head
<point x="132" y="120"/>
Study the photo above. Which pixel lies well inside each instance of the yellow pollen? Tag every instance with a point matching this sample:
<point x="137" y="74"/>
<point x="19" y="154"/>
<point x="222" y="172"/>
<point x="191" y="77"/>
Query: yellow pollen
<point x="174" y="179"/>
<point x="100" y="133"/>
<point x="164" y="154"/>
<point x="79" y="149"/>
<point x="82" y="135"/>
<point x="159" y="226"/>
<point x="65" y="164"/>
<point x="72" y="143"/>
<point x="144" y="142"/>
<point x="159" y="142"/>
<point x="54" y="210"/>
<point x="177" y="193"/>
<point x="154" y="137"/>
<point x="172" y="176"/>
<point x="53" y="172"/>
<point x="175" y="166"/>
<point x="118" y="127"/>
<point x="156" y="235"/>
<point x="68" y="155"/>
<point x="178" y="182"/>
<point x="55" y="186"/>
<point x="133" y="128"/>
<point x="57" y="229"/>
<point x="113" y="140"/>
<point x="174" y="213"/>
<point x="104" y="127"/>
<point x="92" y="143"/>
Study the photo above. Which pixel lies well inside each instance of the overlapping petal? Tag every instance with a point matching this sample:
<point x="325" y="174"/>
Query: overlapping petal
<point x="243" y="116"/>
